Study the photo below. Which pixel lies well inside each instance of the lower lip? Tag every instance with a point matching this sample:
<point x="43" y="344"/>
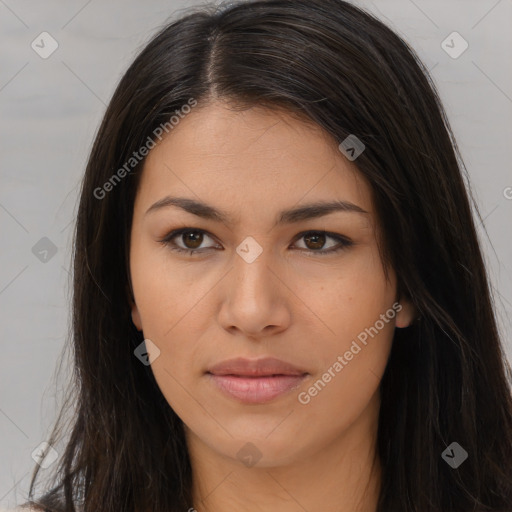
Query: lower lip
<point x="257" y="390"/>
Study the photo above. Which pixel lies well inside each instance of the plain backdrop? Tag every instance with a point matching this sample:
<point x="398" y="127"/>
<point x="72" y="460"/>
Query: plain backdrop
<point x="51" y="107"/>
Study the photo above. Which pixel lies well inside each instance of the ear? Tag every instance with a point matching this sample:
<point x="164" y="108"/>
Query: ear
<point x="135" y="315"/>
<point x="407" y="313"/>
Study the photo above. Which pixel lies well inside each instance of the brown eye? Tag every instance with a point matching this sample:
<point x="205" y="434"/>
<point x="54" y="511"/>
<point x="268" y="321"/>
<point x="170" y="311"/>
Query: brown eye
<point x="187" y="240"/>
<point x="192" y="239"/>
<point x="315" y="240"/>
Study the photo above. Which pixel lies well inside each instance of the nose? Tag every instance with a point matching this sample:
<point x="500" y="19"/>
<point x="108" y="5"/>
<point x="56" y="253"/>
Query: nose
<point x="256" y="301"/>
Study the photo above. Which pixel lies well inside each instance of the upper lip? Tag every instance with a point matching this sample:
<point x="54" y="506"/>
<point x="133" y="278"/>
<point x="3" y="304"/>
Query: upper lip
<point x="255" y="367"/>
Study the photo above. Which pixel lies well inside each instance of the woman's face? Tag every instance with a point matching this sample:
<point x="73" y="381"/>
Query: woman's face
<point x="266" y="281"/>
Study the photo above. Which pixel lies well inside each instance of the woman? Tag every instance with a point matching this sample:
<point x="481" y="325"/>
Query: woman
<point x="280" y="301"/>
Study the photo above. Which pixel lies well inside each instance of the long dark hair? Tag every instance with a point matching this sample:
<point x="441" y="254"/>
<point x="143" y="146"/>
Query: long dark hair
<point x="447" y="379"/>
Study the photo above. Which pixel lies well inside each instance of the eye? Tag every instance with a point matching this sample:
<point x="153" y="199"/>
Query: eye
<point x="191" y="237"/>
<point x="314" y="241"/>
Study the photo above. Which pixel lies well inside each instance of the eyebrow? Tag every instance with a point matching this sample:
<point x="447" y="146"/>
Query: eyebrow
<point x="301" y="213"/>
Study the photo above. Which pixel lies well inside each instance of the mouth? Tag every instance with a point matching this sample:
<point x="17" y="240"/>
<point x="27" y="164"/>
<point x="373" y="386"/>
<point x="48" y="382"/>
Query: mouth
<point x="256" y="381"/>
<point x="256" y="390"/>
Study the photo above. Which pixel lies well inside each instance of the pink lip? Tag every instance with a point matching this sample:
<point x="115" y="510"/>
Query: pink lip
<point x="256" y="390"/>
<point x="256" y="381"/>
<point x="265" y="366"/>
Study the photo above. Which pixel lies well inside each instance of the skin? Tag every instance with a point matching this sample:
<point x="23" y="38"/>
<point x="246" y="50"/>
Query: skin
<point x="290" y="303"/>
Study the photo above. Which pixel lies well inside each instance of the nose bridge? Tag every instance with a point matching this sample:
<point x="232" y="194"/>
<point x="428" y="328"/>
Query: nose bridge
<point x="252" y="265"/>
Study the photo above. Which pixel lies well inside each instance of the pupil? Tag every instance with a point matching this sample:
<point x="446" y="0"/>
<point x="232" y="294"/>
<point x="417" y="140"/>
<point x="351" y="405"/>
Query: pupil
<point x="194" y="237"/>
<point x="316" y="243"/>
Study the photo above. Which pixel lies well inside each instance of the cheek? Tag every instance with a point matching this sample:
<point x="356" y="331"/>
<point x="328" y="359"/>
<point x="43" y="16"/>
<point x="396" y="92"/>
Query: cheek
<point x="176" y="313"/>
<point x="353" y="363"/>
<point x="357" y="311"/>
<point x="354" y="296"/>
<point x="166" y="295"/>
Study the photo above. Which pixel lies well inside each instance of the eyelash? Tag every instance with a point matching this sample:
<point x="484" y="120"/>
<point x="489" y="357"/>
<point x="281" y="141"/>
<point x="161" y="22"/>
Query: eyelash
<point x="343" y="241"/>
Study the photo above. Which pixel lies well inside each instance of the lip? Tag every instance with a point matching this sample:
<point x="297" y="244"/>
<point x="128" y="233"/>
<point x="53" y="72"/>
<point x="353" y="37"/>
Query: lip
<point x="256" y="390"/>
<point x="255" y="381"/>
<point x="266" y="366"/>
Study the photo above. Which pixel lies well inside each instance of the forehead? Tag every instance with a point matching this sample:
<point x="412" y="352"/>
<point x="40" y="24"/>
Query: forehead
<point x="250" y="159"/>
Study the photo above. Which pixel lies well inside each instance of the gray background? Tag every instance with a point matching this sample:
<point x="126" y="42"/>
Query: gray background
<point x="50" y="109"/>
